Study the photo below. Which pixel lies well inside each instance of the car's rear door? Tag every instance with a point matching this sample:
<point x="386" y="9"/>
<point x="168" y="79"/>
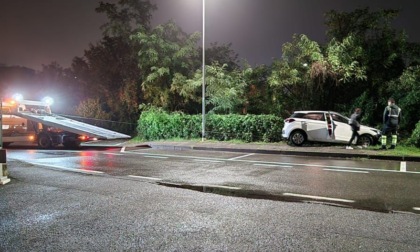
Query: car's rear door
<point x="314" y="126"/>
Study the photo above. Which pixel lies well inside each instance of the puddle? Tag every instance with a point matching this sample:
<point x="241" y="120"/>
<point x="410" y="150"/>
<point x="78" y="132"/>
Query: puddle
<point x="369" y="205"/>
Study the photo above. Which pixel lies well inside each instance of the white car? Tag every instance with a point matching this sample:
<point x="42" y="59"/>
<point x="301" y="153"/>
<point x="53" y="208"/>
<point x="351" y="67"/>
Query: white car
<point x="325" y="126"/>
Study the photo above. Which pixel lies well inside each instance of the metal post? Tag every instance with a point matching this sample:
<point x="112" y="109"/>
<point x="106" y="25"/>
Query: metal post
<point x="3" y="166"/>
<point x="203" y="126"/>
<point x="1" y="123"/>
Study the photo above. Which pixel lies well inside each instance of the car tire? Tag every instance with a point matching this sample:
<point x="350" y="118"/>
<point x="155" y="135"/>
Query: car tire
<point x="365" y="140"/>
<point x="44" y="141"/>
<point x="297" y="137"/>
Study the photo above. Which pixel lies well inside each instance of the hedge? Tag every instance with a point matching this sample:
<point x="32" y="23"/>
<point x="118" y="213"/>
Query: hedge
<point x="156" y="124"/>
<point x="415" y="136"/>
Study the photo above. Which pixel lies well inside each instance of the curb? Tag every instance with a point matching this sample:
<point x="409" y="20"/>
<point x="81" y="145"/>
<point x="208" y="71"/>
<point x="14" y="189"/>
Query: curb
<point x="284" y="152"/>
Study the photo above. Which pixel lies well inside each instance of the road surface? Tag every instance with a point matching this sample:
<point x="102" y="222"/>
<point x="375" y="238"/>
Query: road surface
<point x="154" y="200"/>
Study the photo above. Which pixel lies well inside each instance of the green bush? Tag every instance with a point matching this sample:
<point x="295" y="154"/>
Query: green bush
<point x="155" y="124"/>
<point x="415" y="136"/>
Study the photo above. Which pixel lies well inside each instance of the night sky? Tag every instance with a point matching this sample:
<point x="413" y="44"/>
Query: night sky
<point x="36" y="32"/>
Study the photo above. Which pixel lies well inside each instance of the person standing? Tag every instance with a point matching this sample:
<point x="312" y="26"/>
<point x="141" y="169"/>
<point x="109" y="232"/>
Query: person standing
<point x="355" y="126"/>
<point x="391" y="119"/>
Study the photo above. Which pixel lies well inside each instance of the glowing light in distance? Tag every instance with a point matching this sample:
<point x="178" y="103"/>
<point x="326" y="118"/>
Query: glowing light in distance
<point x="17" y="97"/>
<point x="48" y="100"/>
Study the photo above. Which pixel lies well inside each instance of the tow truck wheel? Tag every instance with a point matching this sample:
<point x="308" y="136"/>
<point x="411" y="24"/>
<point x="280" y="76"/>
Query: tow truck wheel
<point x="44" y="141"/>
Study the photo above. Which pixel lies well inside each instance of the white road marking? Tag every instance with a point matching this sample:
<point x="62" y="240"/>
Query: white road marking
<point x="318" y="197"/>
<point x="111" y="153"/>
<point x="150" y="156"/>
<point x="123" y="149"/>
<point x="67" y="169"/>
<point x="416" y="208"/>
<point x="143" y="177"/>
<point x="243" y="156"/>
<point x="225" y="187"/>
<point x="274" y="165"/>
<point x="403" y="166"/>
<point x="208" y="160"/>
<point x="90" y="171"/>
<point x="277" y="163"/>
<point x="338" y="170"/>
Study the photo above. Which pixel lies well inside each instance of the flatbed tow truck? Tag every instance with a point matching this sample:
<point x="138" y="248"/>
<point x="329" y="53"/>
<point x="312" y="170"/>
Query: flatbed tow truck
<point x="32" y="121"/>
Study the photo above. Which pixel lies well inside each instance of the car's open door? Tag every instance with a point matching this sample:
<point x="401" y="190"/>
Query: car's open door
<point x="342" y="129"/>
<point x="330" y="127"/>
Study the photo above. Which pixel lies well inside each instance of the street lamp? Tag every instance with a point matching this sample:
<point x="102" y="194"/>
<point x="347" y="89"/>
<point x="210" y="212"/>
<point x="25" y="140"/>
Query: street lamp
<point x="203" y="120"/>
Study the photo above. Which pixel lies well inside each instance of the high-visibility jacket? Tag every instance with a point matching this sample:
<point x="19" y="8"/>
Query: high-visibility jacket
<point x="392" y="115"/>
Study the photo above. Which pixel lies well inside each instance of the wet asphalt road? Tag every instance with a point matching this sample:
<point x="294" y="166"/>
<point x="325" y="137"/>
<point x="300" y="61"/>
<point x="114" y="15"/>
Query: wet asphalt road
<point x="116" y="202"/>
<point x="363" y="184"/>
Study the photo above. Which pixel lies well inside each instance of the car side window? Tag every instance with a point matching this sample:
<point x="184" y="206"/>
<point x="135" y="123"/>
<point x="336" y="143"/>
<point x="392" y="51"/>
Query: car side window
<point x="315" y="116"/>
<point x="339" y="118"/>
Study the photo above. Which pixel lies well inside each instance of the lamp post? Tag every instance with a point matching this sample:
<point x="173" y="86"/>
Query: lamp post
<point x="203" y="119"/>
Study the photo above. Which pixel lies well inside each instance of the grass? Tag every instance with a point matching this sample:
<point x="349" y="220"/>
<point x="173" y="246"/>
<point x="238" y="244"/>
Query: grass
<point x="400" y="150"/>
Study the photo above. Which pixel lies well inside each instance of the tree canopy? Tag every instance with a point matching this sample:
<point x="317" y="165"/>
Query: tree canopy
<point x="364" y="61"/>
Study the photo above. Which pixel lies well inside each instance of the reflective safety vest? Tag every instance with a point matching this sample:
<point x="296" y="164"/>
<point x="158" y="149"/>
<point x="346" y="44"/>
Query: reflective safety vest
<point x="393" y="113"/>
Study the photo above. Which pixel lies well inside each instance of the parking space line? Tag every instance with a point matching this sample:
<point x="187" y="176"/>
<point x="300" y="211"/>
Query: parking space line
<point x="111" y="153"/>
<point x="339" y="170"/>
<point x="208" y="160"/>
<point x="123" y="149"/>
<point x="280" y="163"/>
<point x="243" y="156"/>
<point x="416" y="208"/>
<point x="67" y="169"/>
<point x="148" y="156"/>
<point x="91" y="171"/>
<point x="274" y="165"/>
<point x="318" y="197"/>
<point x="143" y="177"/>
<point x="225" y="187"/>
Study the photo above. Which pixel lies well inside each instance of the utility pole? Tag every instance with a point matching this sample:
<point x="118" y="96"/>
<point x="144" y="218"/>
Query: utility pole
<point x="203" y="108"/>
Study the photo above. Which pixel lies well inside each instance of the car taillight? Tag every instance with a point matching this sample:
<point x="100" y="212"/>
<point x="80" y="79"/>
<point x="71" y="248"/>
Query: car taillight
<point x="289" y="120"/>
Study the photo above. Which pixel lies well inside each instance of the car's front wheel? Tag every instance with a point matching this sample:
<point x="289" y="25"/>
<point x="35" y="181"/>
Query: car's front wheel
<point x="297" y="137"/>
<point x="365" y="140"/>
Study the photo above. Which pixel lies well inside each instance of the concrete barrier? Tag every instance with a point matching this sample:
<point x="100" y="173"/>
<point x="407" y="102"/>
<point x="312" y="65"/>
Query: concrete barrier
<point x="3" y="168"/>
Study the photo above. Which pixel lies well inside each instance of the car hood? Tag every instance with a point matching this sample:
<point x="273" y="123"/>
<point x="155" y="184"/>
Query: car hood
<point x="367" y="128"/>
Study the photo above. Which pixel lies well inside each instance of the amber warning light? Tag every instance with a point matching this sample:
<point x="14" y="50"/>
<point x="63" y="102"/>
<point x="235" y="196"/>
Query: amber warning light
<point x="83" y="138"/>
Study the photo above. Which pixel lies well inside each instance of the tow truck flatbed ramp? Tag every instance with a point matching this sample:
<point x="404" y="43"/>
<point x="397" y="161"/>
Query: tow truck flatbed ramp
<point x="72" y="126"/>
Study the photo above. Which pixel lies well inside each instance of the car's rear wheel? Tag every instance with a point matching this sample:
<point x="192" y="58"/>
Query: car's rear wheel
<point x="297" y="137"/>
<point x="365" y="140"/>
